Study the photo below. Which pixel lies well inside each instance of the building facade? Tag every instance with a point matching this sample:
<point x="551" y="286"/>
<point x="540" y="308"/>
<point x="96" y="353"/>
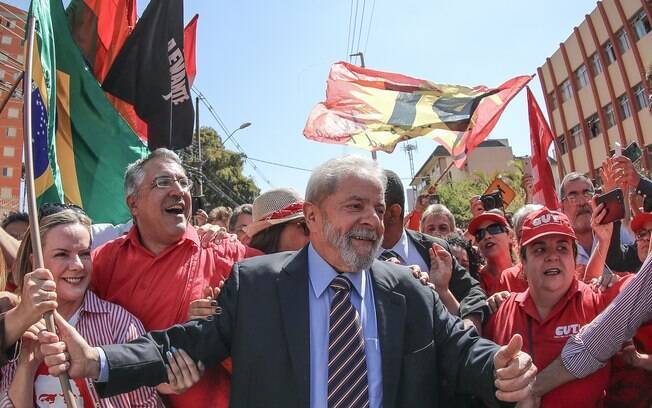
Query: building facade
<point x="595" y="88"/>
<point x="489" y="157"/>
<point x="12" y="30"/>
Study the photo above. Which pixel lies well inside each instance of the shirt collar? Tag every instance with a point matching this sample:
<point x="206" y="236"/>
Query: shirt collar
<point x="190" y="234"/>
<point x="401" y="247"/>
<point x="93" y="304"/>
<point x="321" y="274"/>
<point x="527" y="303"/>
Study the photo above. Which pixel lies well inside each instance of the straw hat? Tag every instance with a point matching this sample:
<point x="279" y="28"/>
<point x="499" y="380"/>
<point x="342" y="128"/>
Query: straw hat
<point x="274" y="207"/>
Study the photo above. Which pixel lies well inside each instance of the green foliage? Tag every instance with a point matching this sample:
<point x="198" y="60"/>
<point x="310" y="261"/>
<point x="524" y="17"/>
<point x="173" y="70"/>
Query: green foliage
<point x="457" y="195"/>
<point x="223" y="181"/>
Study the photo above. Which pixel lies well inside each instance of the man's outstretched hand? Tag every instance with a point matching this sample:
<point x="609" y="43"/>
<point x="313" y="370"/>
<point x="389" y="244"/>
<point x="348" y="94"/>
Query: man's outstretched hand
<point x="68" y="352"/>
<point x="515" y="372"/>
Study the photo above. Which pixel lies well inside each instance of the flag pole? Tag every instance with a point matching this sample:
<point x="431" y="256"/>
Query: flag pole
<point x="37" y="252"/>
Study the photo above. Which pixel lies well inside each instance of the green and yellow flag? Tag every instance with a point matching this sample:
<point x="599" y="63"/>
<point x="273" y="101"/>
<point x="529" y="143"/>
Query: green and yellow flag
<point x="81" y="144"/>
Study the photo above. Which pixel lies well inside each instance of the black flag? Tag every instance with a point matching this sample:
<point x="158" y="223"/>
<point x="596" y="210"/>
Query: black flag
<point x="150" y="73"/>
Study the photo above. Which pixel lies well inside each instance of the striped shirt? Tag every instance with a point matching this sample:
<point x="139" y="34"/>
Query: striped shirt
<point x="100" y="323"/>
<point x="597" y="342"/>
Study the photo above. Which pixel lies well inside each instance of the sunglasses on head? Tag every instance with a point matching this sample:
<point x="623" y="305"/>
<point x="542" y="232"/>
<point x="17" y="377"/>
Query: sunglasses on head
<point x="493" y="229"/>
<point x="53" y="208"/>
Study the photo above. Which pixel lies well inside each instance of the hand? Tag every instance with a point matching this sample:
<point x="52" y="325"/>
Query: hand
<point x="201" y="217"/>
<point x="182" y="371"/>
<point x="515" y="372"/>
<point x="476" y="205"/>
<point x="205" y="307"/>
<point x="601" y="231"/>
<point x="441" y="267"/>
<point x="527" y="182"/>
<point x="38" y="296"/>
<point x="632" y="357"/>
<point x="608" y="175"/>
<point x="604" y="282"/>
<point x="496" y="300"/>
<point x="625" y="172"/>
<point x="214" y="233"/>
<point x="530" y="402"/>
<point x="30" y="353"/>
<point x="417" y="273"/>
<point x="68" y="352"/>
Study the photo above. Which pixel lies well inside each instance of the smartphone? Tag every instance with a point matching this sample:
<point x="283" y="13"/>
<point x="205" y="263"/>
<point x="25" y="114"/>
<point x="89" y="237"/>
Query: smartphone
<point x="614" y="203"/>
<point x="632" y="152"/>
<point x="197" y="204"/>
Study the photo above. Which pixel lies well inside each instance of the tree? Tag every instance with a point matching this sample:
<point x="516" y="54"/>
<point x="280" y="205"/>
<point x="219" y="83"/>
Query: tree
<point x="456" y="195"/>
<point x="221" y="172"/>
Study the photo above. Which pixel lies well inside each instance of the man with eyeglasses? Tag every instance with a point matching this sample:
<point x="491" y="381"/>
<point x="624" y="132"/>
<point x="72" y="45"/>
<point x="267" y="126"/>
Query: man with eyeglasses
<point x="576" y="192"/>
<point x="160" y="265"/>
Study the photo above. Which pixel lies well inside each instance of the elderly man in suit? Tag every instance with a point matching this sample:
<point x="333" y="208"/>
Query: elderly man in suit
<point x="328" y="326"/>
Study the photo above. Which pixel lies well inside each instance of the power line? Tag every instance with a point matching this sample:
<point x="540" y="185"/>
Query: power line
<point x="355" y="25"/>
<point x="287" y="166"/>
<point x="226" y="131"/>
<point x="371" y="19"/>
<point x="348" y="37"/>
<point x="364" y="6"/>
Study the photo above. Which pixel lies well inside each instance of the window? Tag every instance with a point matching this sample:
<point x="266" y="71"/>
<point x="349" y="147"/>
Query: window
<point x="595" y="64"/>
<point x="20" y="58"/>
<point x="623" y="102"/>
<point x="609" y="52"/>
<point x="565" y="89"/>
<point x="553" y="100"/>
<point x="609" y="116"/>
<point x="5" y="192"/>
<point x="639" y="97"/>
<point x="13" y="113"/>
<point x="8" y="151"/>
<point x="576" y="136"/>
<point x="593" y="124"/>
<point x="623" y="41"/>
<point x="582" y="76"/>
<point x="2" y="75"/>
<point x="562" y="144"/>
<point x="6" y="40"/>
<point x="641" y="25"/>
<point x="7" y="172"/>
<point x="11" y="132"/>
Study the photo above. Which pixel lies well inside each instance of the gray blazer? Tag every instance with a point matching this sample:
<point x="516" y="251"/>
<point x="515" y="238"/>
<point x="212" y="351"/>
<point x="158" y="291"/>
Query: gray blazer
<point x="264" y="327"/>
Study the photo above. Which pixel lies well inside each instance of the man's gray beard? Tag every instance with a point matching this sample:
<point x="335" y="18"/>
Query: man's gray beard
<point x="344" y="245"/>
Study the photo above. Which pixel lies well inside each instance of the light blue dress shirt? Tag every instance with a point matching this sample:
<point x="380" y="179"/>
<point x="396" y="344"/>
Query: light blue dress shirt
<point x="362" y="297"/>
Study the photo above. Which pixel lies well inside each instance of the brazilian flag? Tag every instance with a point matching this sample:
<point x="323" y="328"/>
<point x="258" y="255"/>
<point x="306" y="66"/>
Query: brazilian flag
<point x="81" y="144"/>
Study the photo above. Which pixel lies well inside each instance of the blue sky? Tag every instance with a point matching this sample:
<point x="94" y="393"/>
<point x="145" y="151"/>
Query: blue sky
<point x="266" y="62"/>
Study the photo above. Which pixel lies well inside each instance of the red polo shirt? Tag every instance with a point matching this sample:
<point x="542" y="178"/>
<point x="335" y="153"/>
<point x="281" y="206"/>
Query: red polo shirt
<point x="158" y="290"/>
<point x="513" y="279"/>
<point x="544" y="338"/>
<point x="489" y="283"/>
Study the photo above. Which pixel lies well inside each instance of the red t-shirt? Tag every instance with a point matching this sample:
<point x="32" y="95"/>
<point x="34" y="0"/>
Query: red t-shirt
<point x="544" y="339"/>
<point x="489" y="283"/>
<point x="158" y="289"/>
<point x="513" y="279"/>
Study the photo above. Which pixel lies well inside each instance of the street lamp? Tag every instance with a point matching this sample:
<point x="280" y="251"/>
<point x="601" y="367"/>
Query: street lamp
<point x="244" y="125"/>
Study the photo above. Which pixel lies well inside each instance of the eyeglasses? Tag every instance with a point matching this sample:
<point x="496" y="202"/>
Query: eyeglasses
<point x="574" y="197"/>
<point x="493" y="229"/>
<point x="53" y="208"/>
<point x="643" y="234"/>
<point x="164" y="182"/>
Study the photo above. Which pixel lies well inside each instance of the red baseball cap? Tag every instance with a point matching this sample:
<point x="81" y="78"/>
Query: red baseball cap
<point x="639" y="220"/>
<point x="545" y="222"/>
<point x="486" y="216"/>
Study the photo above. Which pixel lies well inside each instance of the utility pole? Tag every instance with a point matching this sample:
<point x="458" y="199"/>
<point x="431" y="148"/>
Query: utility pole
<point x="409" y="148"/>
<point x="361" y="55"/>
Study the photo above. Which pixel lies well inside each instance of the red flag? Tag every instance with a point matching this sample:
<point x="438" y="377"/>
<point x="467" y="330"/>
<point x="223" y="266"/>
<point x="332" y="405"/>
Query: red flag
<point x="541" y="138"/>
<point x="100" y="28"/>
<point x="189" y="47"/>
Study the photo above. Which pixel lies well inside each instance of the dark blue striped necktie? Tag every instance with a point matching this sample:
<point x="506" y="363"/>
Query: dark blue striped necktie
<point x="347" y="364"/>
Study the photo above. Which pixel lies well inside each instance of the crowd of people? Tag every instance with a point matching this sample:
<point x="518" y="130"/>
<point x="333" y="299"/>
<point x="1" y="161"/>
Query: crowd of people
<point x="339" y="298"/>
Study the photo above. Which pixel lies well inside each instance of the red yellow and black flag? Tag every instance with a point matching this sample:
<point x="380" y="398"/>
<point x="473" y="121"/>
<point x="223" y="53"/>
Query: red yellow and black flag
<point x="375" y="110"/>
